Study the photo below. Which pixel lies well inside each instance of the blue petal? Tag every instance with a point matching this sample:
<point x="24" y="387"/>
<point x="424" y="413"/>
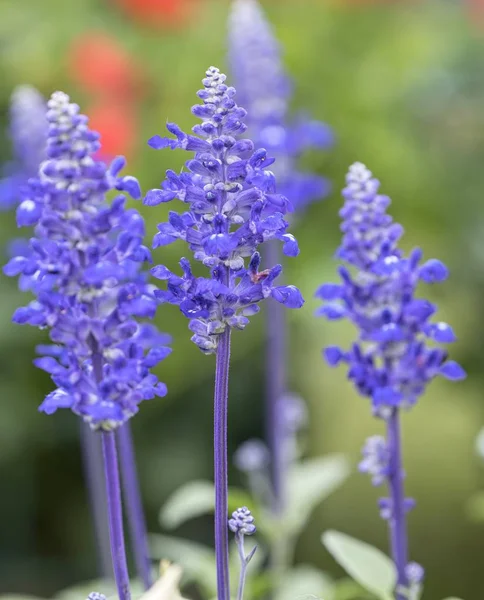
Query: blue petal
<point x="386" y="396"/>
<point x="288" y="295"/>
<point x="433" y="271"/>
<point x="154" y="197"/>
<point x="290" y="247"/>
<point x="452" y="370"/>
<point x="157" y="142"/>
<point x="330" y="291"/>
<point x="331" y="311"/>
<point x="441" y="332"/>
<point x="333" y="355"/>
<point x="28" y="213"/>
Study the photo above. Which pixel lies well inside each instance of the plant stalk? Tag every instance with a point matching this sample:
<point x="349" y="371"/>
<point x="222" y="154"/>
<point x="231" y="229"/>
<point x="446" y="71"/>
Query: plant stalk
<point x="96" y="488"/>
<point x="115" y="515"/>
<point x="220" y="465"/>
<point x="398" y="525"/>
<point x="275" y="387"/>
<point x="134" y="505"/>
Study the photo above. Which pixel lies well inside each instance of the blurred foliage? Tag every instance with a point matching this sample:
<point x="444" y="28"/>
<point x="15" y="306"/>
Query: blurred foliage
<point x="402" y="85"/>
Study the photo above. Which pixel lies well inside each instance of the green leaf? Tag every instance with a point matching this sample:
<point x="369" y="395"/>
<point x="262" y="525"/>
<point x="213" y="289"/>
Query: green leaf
<point x="304" y="581"/>
<point x="365" y="564"/>
<point x="19" y="597"/>
<point x="480" y="443"/>
<point x="194" y="499"/>
<point x="310" y="482"/>
<point x="196" y="560"/>
<point x="197" y="498"/>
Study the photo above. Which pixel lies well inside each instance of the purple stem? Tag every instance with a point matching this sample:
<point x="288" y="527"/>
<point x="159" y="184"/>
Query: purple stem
<point x="275" y="386"/>
<point x="96" y="488"/>
<point x="115" y="515"/>
<point x="398" y="526"/>
<point x="220" y="465"/>
<point x="134" y="506"/>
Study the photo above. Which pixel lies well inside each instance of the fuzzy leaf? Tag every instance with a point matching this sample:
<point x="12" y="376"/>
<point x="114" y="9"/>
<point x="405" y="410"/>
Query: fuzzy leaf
<point x="196" y="560"/>
<point x="310" y="482"/>
<point x="192" y="500"/>
<point x="304" y="581"/>
<point x="480" y="443"/>
<point x="364" y="563"/>
<point x="197" y="498"/>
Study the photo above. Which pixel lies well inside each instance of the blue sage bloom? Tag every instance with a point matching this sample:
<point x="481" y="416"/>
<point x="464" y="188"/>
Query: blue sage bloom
<point x="232" y="208"/>
<point x="395" y="356"/>
<point x="28" y="133"/>
<point x="264" y="89"/>
<point x="393" y="361"/>
<point x="83" y="266"/>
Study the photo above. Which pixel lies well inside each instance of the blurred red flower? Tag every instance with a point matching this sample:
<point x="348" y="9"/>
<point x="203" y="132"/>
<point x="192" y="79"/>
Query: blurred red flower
<point x="100" y="65"/>
<point x="158" y="13"/>
<point x="117" y="124"/>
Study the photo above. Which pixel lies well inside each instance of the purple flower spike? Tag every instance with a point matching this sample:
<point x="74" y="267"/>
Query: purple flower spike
<point x="28" y="132"/>
<point x="232" y="207"/>
<point x="83" y="266"/>
<point x="265" y="90"/>
<point x="392" y="361"/>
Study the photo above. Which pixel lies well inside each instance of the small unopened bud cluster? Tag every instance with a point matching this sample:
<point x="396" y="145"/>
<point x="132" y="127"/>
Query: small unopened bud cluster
<point x="242" y="522"/>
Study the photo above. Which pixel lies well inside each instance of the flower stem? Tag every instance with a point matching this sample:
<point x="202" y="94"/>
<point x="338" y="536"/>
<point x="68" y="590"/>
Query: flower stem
<point x="96" y="488"/>
<point x="398" y="526"/>
<point x="134" y="506"/>
<point x="275" y="387"/>
<point x="239" y="539"/>
<point x="115" y="515"/>
<point x="220" y="465"/>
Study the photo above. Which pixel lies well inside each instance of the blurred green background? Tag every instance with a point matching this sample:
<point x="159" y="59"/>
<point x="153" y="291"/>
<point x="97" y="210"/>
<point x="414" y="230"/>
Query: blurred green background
<point x="402" y="84"/>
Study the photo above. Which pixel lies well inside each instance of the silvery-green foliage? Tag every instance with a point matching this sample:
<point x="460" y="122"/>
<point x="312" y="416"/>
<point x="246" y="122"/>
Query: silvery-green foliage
<point x="310" y="481"/>
<point x="367" y="565"/>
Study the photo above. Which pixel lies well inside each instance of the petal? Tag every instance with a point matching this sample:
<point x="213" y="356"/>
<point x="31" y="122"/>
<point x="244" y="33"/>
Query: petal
<point x="331" y="311"/>
<point x="330" y="291"/>
<point x="433" y="271"/>
<point x="288" y="295"/>
<point x="333" y="355"/>
<point x="452" y="370"/>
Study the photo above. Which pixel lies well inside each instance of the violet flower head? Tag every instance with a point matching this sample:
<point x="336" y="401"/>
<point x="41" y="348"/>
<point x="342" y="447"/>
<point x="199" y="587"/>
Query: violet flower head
<point x="28" y="133"/>
<point x="242" y="522"/>
<point x="265" y="90"/>
<point x="251" y="456"/>
<point x="233" y="207"/>
<point x="96" y="596"/>
<point x="84" y="269"/>
<point x="392" y="361"/>
<point x="375" y="459"/>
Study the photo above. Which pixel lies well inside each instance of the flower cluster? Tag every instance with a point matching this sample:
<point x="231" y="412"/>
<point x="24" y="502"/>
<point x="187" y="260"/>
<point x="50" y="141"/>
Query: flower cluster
<point x="232" y="208"/>
<point x="242" y="522"/>
<point x="375" y="459"/>
<point x="393" y="361"/>
<point x="264" y="89"/>
<point x="28" y="132"/>
<point x="83" y="266"/>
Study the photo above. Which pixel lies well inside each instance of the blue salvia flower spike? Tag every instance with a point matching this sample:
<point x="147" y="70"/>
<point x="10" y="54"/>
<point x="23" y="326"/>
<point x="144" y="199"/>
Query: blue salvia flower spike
<point x="265" y="90"/>
<point x="83" y="265"/>
<point x="395" y="356"/>
<point x="232" y="208"/>
<point x="28" y="134"/>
